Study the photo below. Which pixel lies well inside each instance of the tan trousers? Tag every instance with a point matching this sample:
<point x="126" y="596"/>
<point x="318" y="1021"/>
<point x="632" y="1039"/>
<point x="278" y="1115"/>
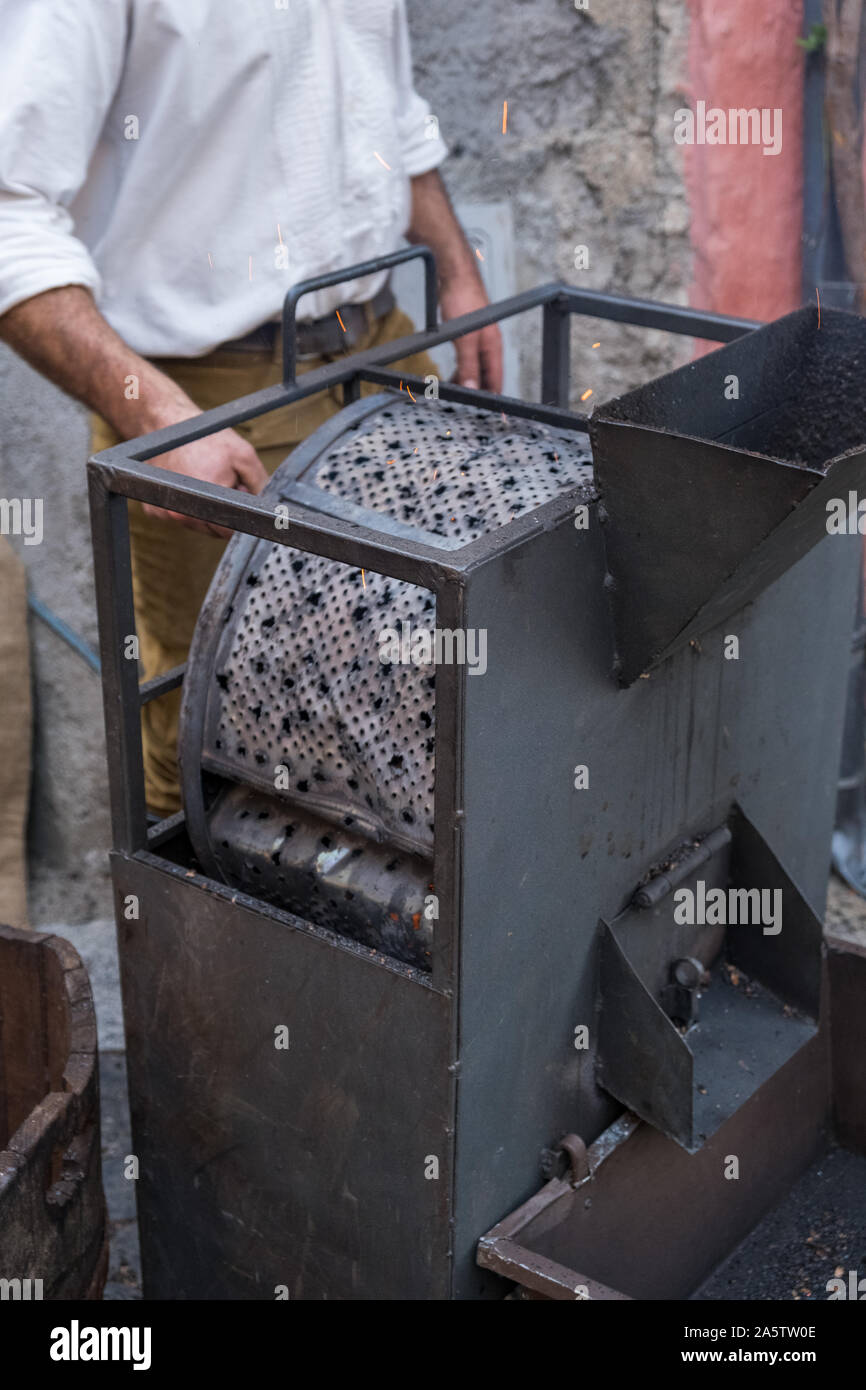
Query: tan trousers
<point x="172" y="566"/>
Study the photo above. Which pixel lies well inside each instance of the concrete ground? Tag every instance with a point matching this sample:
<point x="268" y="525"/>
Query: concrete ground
<point x="124" y="1265"/>
<point x="816" y="1228"/>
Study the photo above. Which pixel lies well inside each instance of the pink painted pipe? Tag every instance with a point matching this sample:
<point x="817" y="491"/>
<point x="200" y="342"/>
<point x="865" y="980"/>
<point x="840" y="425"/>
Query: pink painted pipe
<point x="746" y="206"/>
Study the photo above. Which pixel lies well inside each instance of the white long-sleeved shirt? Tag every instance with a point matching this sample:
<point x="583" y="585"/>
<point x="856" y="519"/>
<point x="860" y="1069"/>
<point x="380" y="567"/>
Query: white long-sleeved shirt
<point x="190" y="160"/>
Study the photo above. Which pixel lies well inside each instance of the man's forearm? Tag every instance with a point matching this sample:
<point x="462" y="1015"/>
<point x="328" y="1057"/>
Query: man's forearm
<point x="434" y="222"/>
<point x="63" y="335"/>
<point x="461" y="288"/>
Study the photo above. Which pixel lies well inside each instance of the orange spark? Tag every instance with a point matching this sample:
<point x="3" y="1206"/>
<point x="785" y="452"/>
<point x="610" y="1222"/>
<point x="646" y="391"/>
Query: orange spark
<point x="342" y="325"/>
<point x="478" y="254"/>
<point x="586" y="395"/>
<point x="279" y="234"/>
<point x="504" y="116"/>
<point x="363" y="580"/>
<point x="381" y="160"/>
<point x="595" y="345"/>
<point x="411" y="397"/>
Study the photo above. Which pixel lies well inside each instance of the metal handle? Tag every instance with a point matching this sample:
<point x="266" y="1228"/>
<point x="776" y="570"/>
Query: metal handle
<point x="340" y="277"/>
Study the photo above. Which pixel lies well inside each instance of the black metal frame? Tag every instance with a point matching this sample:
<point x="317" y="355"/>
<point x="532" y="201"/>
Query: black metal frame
<point x="125" y="472"/>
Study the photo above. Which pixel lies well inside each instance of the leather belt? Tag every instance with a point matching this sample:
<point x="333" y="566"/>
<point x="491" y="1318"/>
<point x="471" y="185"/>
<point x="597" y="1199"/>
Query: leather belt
<point x="321" y="336"/>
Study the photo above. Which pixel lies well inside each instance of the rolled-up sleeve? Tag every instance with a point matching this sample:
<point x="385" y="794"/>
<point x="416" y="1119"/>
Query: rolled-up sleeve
<point x="421" y="144"/>
<point x="60" y="64"/>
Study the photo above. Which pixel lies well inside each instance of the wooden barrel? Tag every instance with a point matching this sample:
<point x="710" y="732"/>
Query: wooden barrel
<point x="53" y="1236"/>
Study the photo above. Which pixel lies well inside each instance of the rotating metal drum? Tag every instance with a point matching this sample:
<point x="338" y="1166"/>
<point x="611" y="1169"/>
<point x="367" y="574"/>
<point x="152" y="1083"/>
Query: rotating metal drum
<point x="306" y="751"/>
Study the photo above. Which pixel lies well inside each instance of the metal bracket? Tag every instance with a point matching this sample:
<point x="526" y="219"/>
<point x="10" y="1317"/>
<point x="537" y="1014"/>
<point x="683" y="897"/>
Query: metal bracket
<point x="569" y="1159"/>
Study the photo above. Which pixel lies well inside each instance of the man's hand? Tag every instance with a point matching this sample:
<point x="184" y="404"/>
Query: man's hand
<point x="63" y="335"/>
<point x="479" y="355"/>
<point x="225" y="459"/>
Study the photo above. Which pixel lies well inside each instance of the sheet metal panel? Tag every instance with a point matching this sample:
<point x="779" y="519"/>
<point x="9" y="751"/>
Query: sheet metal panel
<point x="542" y="862"/>
<point x="302" y="1166"/>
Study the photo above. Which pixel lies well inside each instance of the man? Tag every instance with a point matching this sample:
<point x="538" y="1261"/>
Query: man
<point x="168" y="169"/>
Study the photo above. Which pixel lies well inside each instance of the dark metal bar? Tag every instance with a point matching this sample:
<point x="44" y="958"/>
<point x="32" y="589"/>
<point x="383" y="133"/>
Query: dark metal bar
<point x="448" y="808"/>
<point x="164" y="830"/>
<point x="555" y="352"/>
<point x="484" y="400"/>
<point x="670" y="317"/>
<point x="647" y="313"/>
<point x="336" y="539"/>
<point x="536" y="1272"/>
<point x="116" y="613"/>
<point x="351" y="390"/>
<point x="161" y="685"/>
<point x="652" y="893"/>
<point x="342" y="277"/>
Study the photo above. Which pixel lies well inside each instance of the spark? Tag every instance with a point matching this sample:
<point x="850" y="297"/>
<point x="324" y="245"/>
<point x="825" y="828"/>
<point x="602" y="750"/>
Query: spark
<point x="818" y="297"/>
<point x="595" y="345"/>
<point x="390" y="463"/>
<point x="478" y="254"/>
<point x="435" y="471"/>
<point x="381" y="160"/>
<point x="504" y="116"/>
<point x="416" y="451"/>
<point x="586" y="395"/>
<point x="342" y="325"/>
<point x="363" y="580"/>
<point x="279" y="234"/>
<point x="210" y="260"/>
<point x="411" y="397"/>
